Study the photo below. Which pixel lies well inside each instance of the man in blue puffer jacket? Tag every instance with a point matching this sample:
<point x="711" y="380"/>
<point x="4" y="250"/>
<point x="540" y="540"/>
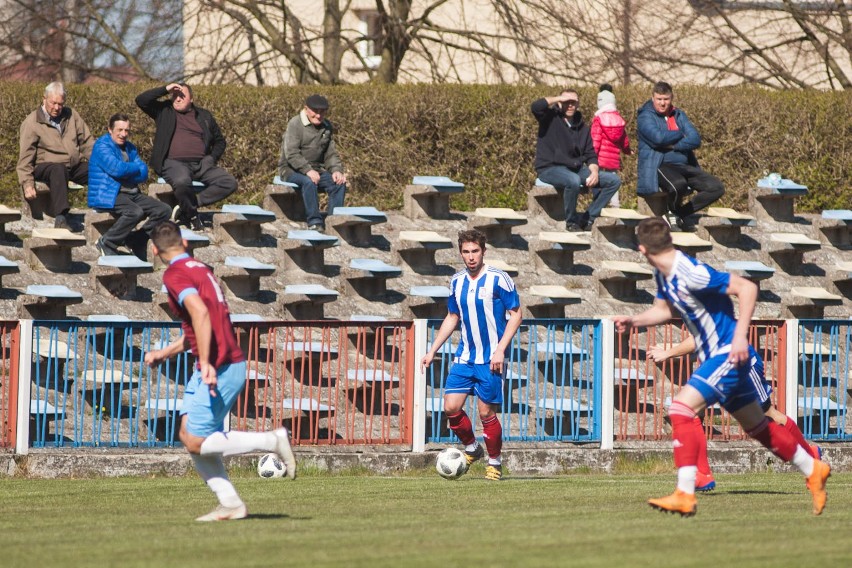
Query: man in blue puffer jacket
<point x="667" y="140"/>
<point x="115" y="172"/>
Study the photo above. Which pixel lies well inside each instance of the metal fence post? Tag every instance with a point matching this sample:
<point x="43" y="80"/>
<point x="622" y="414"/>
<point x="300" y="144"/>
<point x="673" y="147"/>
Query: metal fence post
<point x="418" y="414"/>
<point x="24" y="378"/>
<point x="607" y="408"/>
<point x="792" y="378"/>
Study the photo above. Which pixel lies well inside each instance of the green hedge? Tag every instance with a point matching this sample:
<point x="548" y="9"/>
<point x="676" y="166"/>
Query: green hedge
<point x="483" y="136"/>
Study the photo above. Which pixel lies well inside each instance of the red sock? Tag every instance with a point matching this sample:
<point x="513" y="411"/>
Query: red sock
<point x="686" y="435"/>
<point x="775" y="438"/>
<point x="461" y="426"/>
<point x="493" y="436"/>
<point x="794" y="431"/>
<point x="703" y="464"/>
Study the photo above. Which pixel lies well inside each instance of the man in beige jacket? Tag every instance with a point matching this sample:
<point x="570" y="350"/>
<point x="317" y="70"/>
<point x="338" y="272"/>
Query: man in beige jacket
<point x="55" y="148"/>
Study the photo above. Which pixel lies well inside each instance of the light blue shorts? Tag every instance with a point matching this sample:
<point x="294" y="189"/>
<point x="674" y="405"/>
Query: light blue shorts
<point x="206" y="414"/>
<point x="733" y="387"/>
<point x="469" y="378"/>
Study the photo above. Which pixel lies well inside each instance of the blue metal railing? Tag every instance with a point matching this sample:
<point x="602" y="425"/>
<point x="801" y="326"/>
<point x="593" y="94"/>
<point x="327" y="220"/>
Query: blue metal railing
<point x="823" y="389"/>
<point x="552" y="389"/>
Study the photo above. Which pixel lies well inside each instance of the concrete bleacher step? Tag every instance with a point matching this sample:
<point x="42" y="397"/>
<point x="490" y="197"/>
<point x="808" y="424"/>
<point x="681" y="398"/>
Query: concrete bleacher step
<point x="50" y="249"/>
<point x="354" y="224"/>
<point x="241" y="224"/>
<point x="555" y="250"/>
<point x="545" y="200"/>
<point x="834" y="227"/>
<point x="428" y="197"/>
<point x="305" y="301"/>
<point x="37" y="208"/>
<point x="305" y="250"/>
<point x="418" y="248"/>
<point x="809" y="302"/>
<point x="502" y="265"/>
<point x="306" y="405"/>
<point x="841" y="277"/>
<point x="774" y="202"/>
<point x="7" y="215"/>
<point x="787" y="250"/>
<point x="164" y="192"/>
<point x="617" y="279"/>
<point x="654" y="204"/>
<point x="241" y="275"/>
<point x="284" y="199"/>
<point x="690" y="243"/>
<point x="48" y="302"/>
<point x="497" y="223"/>
<point x="562" y="412"/>
<point x="427" y="301"/>
<point x="617" y="226"/>
<point x="96" y="223"/>
<point x="193" y="241"/>
<point x="7" y="267"/>
<point x="547" y="301"/>
<point x="750" y="269"/>
<point x="116" y="275"/>
<point x="368" y="277"/>
<point x="724" y="225"/>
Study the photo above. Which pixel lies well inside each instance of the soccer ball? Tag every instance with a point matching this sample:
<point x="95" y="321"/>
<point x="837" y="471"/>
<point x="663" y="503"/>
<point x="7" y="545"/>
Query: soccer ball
<point x="270" y="466"/>
<point x="451" y="463"/>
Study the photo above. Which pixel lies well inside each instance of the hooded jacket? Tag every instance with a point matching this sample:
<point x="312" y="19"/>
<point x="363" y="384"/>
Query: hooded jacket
<point x="655" y="140"/>
<point x="107" y="171"/>
<point x="560" y="143"/>
<point x="609" y="137"/>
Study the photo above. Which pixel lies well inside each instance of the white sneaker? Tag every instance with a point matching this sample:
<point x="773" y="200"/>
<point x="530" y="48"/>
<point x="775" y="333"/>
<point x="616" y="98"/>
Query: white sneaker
<point x="223" y="513"/>
<point x="285" y="452"/>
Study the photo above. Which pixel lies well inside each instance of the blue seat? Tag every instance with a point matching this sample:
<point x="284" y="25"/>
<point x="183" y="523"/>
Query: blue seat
<point x="366" y="213"/>
<point x="305" y="405"/>
<point x="539" y="183"/>
<point x="196" y="184"/>
<point x="371" y="376"/>
<point x="844" y="215"/>
<point x="52" y="291"/>
<point x="278" y="181"/>
<point x="46" y="409"/>
<point x="441" y="183"/>
<point x="785" y="186"/>
<point x="107" y="318"/>
<point x="560" y="405"/>
<point x="374" y="266"/>
<point x="6" y="263"/>
<point x="312" y="238"/>
<point x="310" y="290"/>
<point x="246" y="318"/>
<point x="366" y="318"/>
<point x="123" y="261"/>
<point x="430" y="291"/>
<point x="247" y="263"/>
<point x="749" y="267"/>
<point x="193" y="238"/>
<point x="250" y="212"/>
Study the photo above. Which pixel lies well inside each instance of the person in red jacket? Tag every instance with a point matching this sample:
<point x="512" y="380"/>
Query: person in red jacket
<point x="609" y="137"/>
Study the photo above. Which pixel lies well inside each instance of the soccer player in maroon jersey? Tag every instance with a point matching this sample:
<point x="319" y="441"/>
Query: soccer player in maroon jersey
<point x="196" y="298"/>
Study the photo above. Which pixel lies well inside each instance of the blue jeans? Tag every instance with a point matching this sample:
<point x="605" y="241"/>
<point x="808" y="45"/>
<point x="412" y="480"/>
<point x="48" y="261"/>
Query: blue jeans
<point x="571" y="182"/>
<point x="310" y="195"/>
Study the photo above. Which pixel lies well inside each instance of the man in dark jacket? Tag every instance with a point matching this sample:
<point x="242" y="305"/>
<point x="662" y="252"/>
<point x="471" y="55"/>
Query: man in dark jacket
<point x="667" y="140"/>
<point x="187" y="146"/>
<point x="565" y="158"/>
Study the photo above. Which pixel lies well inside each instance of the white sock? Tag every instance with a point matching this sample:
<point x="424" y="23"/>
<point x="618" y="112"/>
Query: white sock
<point x="686" y="478"/>
<point x="236" y="442"/>
<point x="804" y="461"/>
<point x="212" y="471"/>
<point x="496" y="461"/>
<point x="471" y="447"/>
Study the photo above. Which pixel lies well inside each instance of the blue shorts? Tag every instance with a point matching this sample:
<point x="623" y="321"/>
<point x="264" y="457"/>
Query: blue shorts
<point x="731" y="386"/>
<point x="761" y="385"/>
<point x="205" y="414"/>
<point x="470" y="378"/>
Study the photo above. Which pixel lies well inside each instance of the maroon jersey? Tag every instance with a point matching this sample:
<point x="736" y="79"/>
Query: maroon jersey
<point x="186" y="276"/>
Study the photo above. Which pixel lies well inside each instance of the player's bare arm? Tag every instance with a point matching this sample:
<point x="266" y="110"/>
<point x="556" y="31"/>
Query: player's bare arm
<point x="746" y="292"/>
<point x="444" y="332"/>
<point x="658" y="313"/>
<point x="685" y="347"/>
<point x="512" y="326"/>
<point x="203" y="333"/>
<point x="157" y="356"/>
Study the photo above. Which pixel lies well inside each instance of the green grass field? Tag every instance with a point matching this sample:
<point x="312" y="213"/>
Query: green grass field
<point x="355" y="519"/>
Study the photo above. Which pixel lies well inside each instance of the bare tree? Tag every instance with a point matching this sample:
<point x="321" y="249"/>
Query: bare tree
<point x="77" y="40"/>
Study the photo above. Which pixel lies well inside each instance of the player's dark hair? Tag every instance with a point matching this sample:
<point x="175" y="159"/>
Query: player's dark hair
<point x="654" y="234"/>
<point x="605" y="87"/>
<point x="119" y="116"/>
<point x="472" y="236"/>
<point x="188" y="88"/>
<point x="166" y="236"/>
<point x="662" y="88"/>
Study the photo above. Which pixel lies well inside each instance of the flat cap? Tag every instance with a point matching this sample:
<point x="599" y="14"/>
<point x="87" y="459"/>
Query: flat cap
<point x="317" y="102"/>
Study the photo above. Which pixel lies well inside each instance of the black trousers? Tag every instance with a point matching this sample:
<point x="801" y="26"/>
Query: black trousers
<point x="129" y="210"/>
<point x="680" y="180"/>
<point x="218" y="184"/>
<point x="57" y="176"/>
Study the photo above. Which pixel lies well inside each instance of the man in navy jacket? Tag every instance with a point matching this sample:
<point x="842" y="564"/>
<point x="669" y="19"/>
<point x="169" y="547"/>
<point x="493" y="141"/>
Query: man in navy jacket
<point x="667" y="140"/>
<point x="565" y="158"/>
<point x="115" y="172"/>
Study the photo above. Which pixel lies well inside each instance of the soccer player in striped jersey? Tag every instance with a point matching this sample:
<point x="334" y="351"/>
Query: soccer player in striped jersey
<point x="485" y="302"/>
<point x="704" y="480"/>
<point x="195" y="296"/>
<point x="702" y="297"/>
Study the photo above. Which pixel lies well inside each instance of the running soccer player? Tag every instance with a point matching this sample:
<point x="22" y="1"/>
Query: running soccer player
<point x="196" y="297"/>
<point x="480" y="298"/>
<point x="704" y="480"/>
<point x="702" y="296"/>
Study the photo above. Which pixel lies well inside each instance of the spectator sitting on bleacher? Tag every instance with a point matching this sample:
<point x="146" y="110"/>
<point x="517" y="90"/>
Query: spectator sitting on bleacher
<point x="115" y="172"/>
<point x="187" y="146"/>
<point x="609" y="136"/>
<point x="309" y="159"/>
<point x="55" y="146"/>
<point x="667" y="140"/>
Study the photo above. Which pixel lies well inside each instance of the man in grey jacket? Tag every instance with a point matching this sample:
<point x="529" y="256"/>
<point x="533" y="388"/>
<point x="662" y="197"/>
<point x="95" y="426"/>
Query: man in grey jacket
<point x="309" y="159"/>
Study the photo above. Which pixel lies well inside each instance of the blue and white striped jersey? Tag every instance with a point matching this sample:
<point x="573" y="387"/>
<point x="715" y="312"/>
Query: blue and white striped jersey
<point x="481" y="305"/>
<point x="698" y="292"/>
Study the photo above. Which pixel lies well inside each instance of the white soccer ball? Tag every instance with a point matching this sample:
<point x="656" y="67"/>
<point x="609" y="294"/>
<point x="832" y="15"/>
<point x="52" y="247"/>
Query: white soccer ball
<point x="451" y="463"/>
<point x="270" y="466"/>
